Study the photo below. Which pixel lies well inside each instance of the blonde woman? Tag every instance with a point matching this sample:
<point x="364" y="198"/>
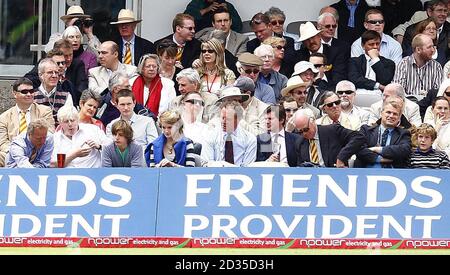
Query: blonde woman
<point x="171" y="148"/>
<point x="213" y="73"/>
<point x="74" y="36"/>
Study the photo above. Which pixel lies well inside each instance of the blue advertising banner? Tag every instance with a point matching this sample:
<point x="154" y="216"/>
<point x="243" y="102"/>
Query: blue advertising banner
<point x="304" y="203"/>
<point x="78" y="202"/>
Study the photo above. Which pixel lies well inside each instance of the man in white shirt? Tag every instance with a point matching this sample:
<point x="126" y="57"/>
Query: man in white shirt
<point x="81" y="143"/>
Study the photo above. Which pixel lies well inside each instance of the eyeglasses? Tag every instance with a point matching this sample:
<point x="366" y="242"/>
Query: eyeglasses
<point x="249" y="71"/>
<point x="26" y="91"/>
<point x="375" y="22"/>
<point x="447" y="94"/>
<point x="189" y="28"/>
<point x="60" y="63"/>
<point x="196" y="101"/>
<point x="289" y="110"/>
<point x="318" y="65"/>
<point x="347" y="92"/>
<point x="329" y="26"/>
<point x="52" y="73"/>
<point x="304" y="130"/>
<point x="208" y="51"/>
<point x="279" y="22"/>
<point x="334" y="103"/>
<point x="279" y="47"/>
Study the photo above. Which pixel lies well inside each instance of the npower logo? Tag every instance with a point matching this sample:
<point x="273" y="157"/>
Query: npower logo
<point x="109" y="241"/>
<point x="214" y="241"/>
<point x="321" y="243"/>
<point x="428" y="244"/>
<point x="12" y="240"/>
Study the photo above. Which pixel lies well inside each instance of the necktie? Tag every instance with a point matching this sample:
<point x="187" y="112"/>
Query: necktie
<point x="33" y="155"/>
<point x="179" y="53"/>
<point x="314" y="156"/>
<point x="23" y="122"/>
<point x="229" y="155"/>
<point x="384" y="137"/>
<point x="127" y="58"/>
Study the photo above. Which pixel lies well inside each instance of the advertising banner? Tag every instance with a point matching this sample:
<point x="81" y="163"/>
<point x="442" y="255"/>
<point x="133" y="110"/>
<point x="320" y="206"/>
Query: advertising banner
<point x="304" y="203"/>
<point x="78" y="202"/>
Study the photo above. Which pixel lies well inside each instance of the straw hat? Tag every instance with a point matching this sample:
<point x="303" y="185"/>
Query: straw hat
<point x="231" y="91"/>
<point x="293" y="83"/>
<point x="74" y="11"/>
<point x="307" y="30"/>
<point x="126" y="16"/>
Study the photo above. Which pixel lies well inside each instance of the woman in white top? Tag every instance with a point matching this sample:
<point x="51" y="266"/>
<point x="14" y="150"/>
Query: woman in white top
<point x="213" y="73"/>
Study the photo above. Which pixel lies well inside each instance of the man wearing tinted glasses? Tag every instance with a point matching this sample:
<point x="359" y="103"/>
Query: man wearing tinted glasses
<point x="389" y="47"/>
<point x="325" y="145"/>
<point x="346" y="91"/>
<point x="330" y="103"/>
<point x="15" y="120"/>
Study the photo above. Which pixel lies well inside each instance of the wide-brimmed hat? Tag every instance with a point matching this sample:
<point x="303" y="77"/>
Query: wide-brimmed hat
<point x="74" y="11"/>
<point x="307" y="30"/>
<point x="231" y="91"/>
<point x="303" y="66"/>
<point x="293" y="83"/>
<point x="126" y="16"/>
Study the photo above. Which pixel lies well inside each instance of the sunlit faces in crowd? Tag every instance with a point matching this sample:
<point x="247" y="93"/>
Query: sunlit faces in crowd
<point x="107" y="56"/>
<point x="24" y="94"/>
<point x="222" y="21"/>
<point x="374" y="22"/>
<point x="391" y="113"/>
<point x="126" y="30"/>
<point x="441" y="108"/>
<point x="187" y="30"/>
<point x="332" y="106"/>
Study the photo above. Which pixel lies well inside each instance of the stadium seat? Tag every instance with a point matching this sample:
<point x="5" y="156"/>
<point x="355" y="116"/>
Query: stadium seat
<point x="247" y="30"/>
<point x="365" y="98"/>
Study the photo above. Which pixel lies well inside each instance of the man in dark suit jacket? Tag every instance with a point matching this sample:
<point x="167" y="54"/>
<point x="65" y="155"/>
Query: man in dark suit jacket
<point x="388" y="145"/>
<point x="329" y="146"/>
<point x="382" y="69"/>
<point x="346" y="33"/>
<point x="262" y="28"/>
<point x="183" y="35"/>
<point x="337" y="56"/>
<point x="277" y="145"/>
<point x="126" y="25"/>
<point x="437" y="10"/>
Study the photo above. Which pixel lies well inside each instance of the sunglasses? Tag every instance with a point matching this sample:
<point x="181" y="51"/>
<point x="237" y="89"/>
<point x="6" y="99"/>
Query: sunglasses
<point x="289" y="110"/>
<point x="59" y="63"/>
<point x="347" y="92"/>
<point x="375" y="22"/>
<point x="249" y="71"/>
<point x="334" y="103"/>
<point x="26" y="91"/>
<point x="279" y="22"/>
<point x="329" y="26"/>
<point x="196" y="101"/>
<point x="279" y="47"/>
<point x="447" y="93"/>
<point x="208" y="51"/>
<point x="304" y="130"/>
<point x="189" y="28"/>
<point x="318" y="65"/>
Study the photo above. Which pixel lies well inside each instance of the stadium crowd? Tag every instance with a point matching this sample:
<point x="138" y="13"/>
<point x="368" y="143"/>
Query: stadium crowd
<point x="361" y="87"/>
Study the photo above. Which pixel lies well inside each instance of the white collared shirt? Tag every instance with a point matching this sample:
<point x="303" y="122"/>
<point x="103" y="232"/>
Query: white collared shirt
<point x="370" y="73"/>
<point x="280" y="138"/>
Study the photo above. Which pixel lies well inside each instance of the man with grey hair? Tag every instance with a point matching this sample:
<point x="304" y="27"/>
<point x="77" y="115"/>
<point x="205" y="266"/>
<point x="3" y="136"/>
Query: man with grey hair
<point x="330" y="103"/>
<point x="325" y="145"/>
<point x="188" y="82"/>
<point x="80" y="142"/>
<point x="410" y="109"/>
<point x="346" y="91"/>
<point x="50" y="93"/>
<point x="327" y="24"/>
<point x="109" y="63"/>
<point x="236" y="43"/>
<point x="31" y="149"/>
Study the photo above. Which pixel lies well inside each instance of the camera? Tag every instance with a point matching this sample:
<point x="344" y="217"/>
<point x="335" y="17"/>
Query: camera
<point x="83" y="23"/>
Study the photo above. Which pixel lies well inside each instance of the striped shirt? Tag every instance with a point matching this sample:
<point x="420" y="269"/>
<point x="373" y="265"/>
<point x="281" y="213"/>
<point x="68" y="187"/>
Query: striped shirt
<point x="190" y="159"/>
<point x="415" y="79"/>
<point x="433" y="159"/>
